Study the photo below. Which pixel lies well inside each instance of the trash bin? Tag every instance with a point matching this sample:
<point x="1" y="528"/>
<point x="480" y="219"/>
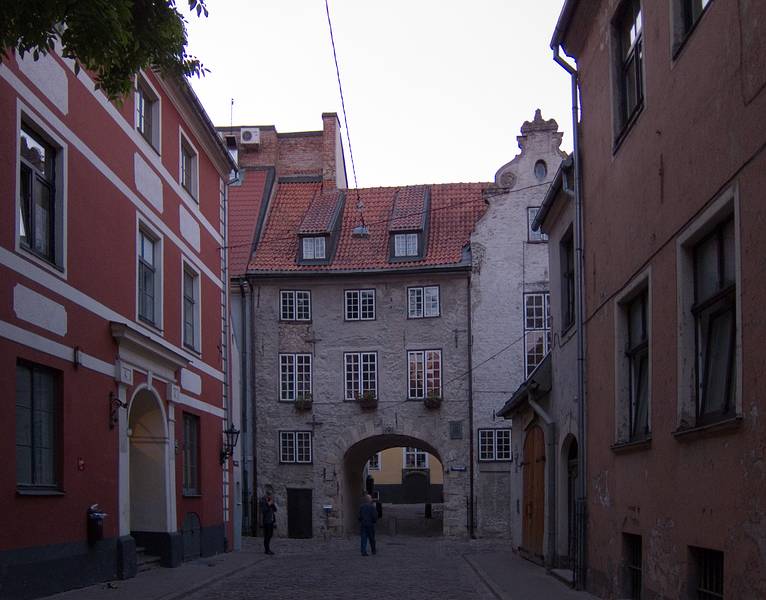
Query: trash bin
<point x="95" y="520"/>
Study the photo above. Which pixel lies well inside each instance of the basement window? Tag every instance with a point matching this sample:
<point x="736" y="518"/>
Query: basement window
<point x="707" y="573"/>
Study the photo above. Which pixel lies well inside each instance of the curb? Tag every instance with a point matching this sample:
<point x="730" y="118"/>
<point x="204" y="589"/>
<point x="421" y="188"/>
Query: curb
<point x="485" y="579"/>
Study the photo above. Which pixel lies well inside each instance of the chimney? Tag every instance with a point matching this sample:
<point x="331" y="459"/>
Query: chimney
<point x="333" y="163"/>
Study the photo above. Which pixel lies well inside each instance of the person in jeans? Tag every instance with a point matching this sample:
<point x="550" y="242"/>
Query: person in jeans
<point x="268" y="510"/>
<point x="368" y="516"/>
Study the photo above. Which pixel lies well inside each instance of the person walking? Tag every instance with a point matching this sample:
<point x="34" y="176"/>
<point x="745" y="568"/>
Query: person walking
<point x="368" y="516"/>
<point x="268" y="520"/>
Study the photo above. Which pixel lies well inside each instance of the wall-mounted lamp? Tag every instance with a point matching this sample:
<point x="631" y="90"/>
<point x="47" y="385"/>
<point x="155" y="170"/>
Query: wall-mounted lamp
<point x="232" y="436"/>
<point x="114" y="405"/>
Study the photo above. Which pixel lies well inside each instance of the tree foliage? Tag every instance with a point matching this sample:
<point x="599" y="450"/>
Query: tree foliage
<point x="113" y="39"/>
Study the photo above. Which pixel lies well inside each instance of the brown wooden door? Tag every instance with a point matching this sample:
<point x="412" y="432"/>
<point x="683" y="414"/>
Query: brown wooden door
<point x="534" y="491"/>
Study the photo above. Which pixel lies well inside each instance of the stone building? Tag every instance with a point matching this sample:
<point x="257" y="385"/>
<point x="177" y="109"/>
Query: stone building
<point x="509" y="314"/>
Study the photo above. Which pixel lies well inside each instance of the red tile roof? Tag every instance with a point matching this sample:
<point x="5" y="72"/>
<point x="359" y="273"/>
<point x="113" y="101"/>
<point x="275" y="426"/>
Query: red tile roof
<point x="407" y="213"/>
<point x="244" y="207"/>
<point x="319" y="216"/>
<point x="454" y="210"/>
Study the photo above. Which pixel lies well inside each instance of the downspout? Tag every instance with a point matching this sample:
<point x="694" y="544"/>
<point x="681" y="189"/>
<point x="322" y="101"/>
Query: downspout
<point x="253" y="404"/>
<point x="580" y="569"/>
<point x="246" y="444"/>
<point x="471" y="474"/>
<point x="228" y="544"/>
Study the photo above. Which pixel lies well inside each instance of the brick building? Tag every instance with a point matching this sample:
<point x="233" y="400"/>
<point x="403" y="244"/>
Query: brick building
<point x="112" y="329"/>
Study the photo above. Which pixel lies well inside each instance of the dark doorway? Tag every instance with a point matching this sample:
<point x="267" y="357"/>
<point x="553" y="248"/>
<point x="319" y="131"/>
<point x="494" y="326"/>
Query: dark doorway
<point x="571" y="496"/>
<point x="533" y="523"/>
<point x="190" y="534"/>
<point x="299" y="511"/>
<point x="415" y="486"/>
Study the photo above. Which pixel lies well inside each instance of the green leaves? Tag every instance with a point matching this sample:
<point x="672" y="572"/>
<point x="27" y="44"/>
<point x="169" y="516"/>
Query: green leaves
<point x="112" y="39"/>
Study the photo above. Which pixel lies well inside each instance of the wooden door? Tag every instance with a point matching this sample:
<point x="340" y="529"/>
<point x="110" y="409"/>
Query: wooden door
<point x="299" y="513"/>
<point x="533" y="524"/>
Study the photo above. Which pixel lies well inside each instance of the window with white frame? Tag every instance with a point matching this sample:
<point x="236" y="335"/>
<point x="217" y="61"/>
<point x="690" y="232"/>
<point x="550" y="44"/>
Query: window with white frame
<point x="295" y="305"/>
<point x="191" y="308"/>
<point x="423" y="302"/>
<point x="537" y="329"/>
<point x="532" y="235"/>
<point x="494" y="444"/>
<point x="425" y="374"/>
<point x="40" y="199"/>
<point x="149" y="277"/>
<point x="294" y="377"/>
<point x="295" y="447"/>
<point x="361" y="374"/>
<point x="360" y="305"/>
<point x="405" y="244"/>
<point x="188" y="167"/>
<point x="147" y="112"/>
<point x="314" y="248"/>
<point x="373" y="464"/>
<point x="637" y="353"/>
<point x="191" y="478"/>
<point x="415" y="458"/>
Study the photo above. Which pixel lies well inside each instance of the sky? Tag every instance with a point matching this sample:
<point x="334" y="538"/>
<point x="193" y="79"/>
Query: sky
<point x="435" y="90"/>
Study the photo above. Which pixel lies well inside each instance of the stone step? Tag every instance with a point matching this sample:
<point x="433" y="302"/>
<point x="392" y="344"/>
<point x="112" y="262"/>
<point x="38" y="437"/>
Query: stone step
<point x="146" y="562"/>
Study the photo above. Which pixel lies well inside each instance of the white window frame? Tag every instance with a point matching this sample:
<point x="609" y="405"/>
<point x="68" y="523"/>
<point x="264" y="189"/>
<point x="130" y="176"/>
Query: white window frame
<point x="532" y="334"/>
<point x="421" y="363"/>
<point x="297" y="387"/>
<point x="406" y="245"/>
<point x="418" y="305"/>
<point x="143" y="227"/>
<point x="356" y="362"/>
<point x="192" y="470"/>
<point x="314" y="248"/>
<point x="196" y="345"/>
<point x="357" y="312"/>
<point x="26" y="117"/>
<point x="374" y="462"/>
<point x="416" y="453"/>
<point x="534" y="237"/>
<point x="727" y="203"/>
<point x="193" y="189"/>
<point x="295" y="295"/>
<point x="494" y="453"/>
<point x="294" y="439"/>
<point x="155" y="142"/>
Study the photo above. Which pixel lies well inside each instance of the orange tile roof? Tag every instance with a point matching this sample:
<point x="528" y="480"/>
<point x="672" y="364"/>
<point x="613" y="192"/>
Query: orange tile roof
<point x="320" y="215"/>
<point x="244" y="207"/>
<point x="454" y="210"/>
<point x="408" y="210"/>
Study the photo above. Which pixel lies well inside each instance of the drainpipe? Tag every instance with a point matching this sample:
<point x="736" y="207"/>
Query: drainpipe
<point x="247" y="430"/>
<point x="253" y="404"/>
<point x="471" y="525"/>
<point x="580" y="569"/>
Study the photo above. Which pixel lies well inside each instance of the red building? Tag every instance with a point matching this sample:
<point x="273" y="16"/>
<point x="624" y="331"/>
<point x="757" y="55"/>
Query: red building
<point x="113" y="340"/>
<point x="673" y="167"/>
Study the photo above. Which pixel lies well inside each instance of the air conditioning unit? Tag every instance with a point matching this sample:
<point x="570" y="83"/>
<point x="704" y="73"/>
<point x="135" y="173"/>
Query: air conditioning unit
<point x="250" y="136"/>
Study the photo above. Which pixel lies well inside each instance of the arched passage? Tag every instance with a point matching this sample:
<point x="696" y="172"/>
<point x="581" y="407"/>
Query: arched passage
<point x="355" y="460"/>
<point x="148" y="464"/>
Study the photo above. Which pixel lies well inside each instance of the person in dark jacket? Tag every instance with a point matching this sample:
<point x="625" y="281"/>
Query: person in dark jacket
<point x="268" y="518"/>
<point x="368" y="516"/>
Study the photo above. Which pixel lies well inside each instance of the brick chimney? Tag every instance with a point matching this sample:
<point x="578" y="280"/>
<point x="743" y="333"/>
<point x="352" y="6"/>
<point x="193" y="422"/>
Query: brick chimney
<point x="333" y="162"/>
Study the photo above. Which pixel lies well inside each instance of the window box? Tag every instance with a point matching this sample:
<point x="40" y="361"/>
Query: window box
<point x="304" y="403"/>
<point x="432" y="401"/>
<point x="367" y="400"/>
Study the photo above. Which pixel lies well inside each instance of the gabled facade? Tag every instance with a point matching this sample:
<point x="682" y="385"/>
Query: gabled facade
<point x="112" y="335"/>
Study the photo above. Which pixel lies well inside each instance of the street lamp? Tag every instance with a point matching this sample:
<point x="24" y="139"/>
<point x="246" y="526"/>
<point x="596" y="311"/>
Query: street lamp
<point x="232" y="436"/>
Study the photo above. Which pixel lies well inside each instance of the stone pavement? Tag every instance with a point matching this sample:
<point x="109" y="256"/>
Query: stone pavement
<point x="405" y="568"/>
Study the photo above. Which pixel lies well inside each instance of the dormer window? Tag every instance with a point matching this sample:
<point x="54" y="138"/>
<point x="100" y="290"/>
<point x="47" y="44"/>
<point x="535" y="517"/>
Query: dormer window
<point x="405" y="244"/>
<point x="314" y="248"/>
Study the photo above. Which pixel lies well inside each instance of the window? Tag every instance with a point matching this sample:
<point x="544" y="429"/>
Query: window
<point x="314" y="248"/>
<point x="425" y="374"/>
<point x="191" y="310"/>
<point x="361" y="374"/>
<point x="629" y="38"/>
<point x="38" y="451"/>
<point x="532" y="235"/>
<point x="191" y="455"/>
<point x="566" y="255"/>
<point x="294" y="377"/>
<point x="686" y="13"/>
<point x="40" y="206"/>
<point x="537" y="329"/>
<point x="148" y="278"/>
<point x="715" y="322"/>
<point x="295" y="305"/>
<point x="147" y="112"/>
<point x="423" y="302"/>
<point x="405" y="244"/>
<point x="494" y="444"/>
<point x="707" y="573"/>
<point x="374" y="463"/>
<point x="188" y="172"/>
<point x="638" y="359"/>
<point x="295" y="447"/>
<point x="360" y="305"/>
<point x="541" y="169"/>
<point x="415" y="458"/>
<point x="632" y="549"/>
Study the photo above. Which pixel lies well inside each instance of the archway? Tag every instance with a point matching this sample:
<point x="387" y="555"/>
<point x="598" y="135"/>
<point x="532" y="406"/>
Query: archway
<point x="569" y="454"/>
<point x="415" y="507"/>
<point x="148" y="466"/>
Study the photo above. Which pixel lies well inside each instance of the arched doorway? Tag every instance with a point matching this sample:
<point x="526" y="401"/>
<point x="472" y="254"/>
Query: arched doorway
<point x="571" y="466"/>
<point x="416" y="508"/>
<point x="149" y="512"/>
<point x="533" y="521"/>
